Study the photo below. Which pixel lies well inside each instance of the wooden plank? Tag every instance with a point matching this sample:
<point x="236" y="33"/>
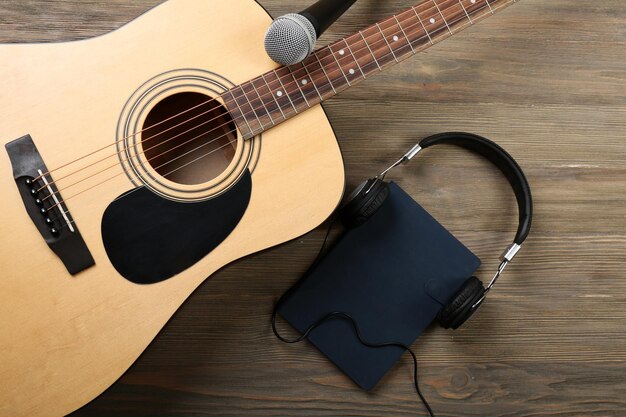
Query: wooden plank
<point x="544" y="79"/>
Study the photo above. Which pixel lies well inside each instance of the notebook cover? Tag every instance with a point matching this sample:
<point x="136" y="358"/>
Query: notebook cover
<point x="392" y="274"/>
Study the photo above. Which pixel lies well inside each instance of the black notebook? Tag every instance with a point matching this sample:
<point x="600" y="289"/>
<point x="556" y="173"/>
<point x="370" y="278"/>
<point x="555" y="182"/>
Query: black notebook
<point x="392" y="274"/>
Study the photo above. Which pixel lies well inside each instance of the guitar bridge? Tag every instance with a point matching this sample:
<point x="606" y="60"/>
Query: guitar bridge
<point x="44" y="205"/>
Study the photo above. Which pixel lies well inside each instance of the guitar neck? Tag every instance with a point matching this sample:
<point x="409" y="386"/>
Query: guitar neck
<point x="278" y="95"/>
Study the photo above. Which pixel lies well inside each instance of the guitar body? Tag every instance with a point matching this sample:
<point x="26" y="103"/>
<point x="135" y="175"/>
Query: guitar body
<point x="64" y="338"/>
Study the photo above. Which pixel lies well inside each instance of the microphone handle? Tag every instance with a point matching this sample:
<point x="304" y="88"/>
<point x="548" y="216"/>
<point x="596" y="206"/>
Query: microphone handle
<point x="325" y="12"/>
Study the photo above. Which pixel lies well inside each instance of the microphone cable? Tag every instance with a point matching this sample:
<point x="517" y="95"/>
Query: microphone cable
<point x="349" y="318"/>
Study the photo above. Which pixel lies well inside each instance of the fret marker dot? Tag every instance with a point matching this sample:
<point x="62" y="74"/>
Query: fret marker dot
<point x="395" y="39"/>
<point x="351" y="71"/>
<point x="304" y="82"/>
<point x="473" y="1"/>
<point x="341" y="52"/>
<point x="279" y="93"/>
<point x="432" y="20"/>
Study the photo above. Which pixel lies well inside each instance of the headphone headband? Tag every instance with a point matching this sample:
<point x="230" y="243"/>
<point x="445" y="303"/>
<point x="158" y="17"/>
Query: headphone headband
<point x="506" y="164"/>
<point x="495" y="154"/>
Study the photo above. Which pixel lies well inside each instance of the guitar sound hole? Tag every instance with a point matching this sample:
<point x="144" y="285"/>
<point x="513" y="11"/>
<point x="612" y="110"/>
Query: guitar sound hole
<point x="189" y="138"/>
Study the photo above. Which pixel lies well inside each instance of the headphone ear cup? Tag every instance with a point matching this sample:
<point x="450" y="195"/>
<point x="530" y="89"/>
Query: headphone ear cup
<point x="366" y="200"/>
<point x="373" y="205"/>
<point x="459" y="308"/>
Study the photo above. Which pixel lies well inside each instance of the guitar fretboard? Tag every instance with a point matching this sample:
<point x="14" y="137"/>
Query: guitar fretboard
<point x="265" y="101"/>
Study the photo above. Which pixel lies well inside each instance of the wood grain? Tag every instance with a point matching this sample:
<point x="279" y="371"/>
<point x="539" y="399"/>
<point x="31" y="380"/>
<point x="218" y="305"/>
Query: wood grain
<point x="330" y="70"/>
<point x="544" y="78"/>
<point x="69" y="96"/>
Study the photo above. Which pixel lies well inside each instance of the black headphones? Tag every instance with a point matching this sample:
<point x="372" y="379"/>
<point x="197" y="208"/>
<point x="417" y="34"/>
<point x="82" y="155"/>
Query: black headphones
<point x="366" y="199"/>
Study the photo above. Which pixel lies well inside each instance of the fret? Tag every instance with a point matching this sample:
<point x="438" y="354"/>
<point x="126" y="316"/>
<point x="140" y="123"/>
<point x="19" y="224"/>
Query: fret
<point x="248" y="104"/>
<point x="469" y="10"/>
<point x="356" y="61"/>
<point x="304" y="82"/>
<point x="255" y="110"/>
<point x="382" y="51"/>
<point x="284" y="92"/>
<point x="362" y="54"/>
<point x="387" y="42"/>
<point x="274" y="103"/>
<point x="440" y="31"/>
<point x="263" y="97"/>
<point x="329" y="61"/>
<point x="237" y="113"/>
<point x="272" y="106"/>
<point x="339" y="65"/>
<point x="370" y="49"/>
<point x="236" y="106"/>
<point x="423" y="26"/>
<point x="324" y="71"/>
<point x="347" y="59"/>
<point x="489" y="5"/>
<point x="281" y="94"/>
<point x="288" y="94"/>
<point x="441" y="14"/>
<point x="295" y="80"/>
<point x="312" y="81"/>
<point x="465" y="10"/>
<point x="456" y="14"/>
<point x="474" y="7"/>
<point x="415" y="32"/>
<point x="397" y="41"/>
<point x="319" y="78"/>
<point x="404" y="33"/>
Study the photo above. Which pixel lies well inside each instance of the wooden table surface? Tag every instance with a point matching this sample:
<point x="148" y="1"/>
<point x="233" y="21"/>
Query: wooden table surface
<point x="547" y="80"/>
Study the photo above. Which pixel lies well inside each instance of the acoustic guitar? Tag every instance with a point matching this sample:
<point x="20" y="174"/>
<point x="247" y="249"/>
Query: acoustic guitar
<point x="138" y="163"/>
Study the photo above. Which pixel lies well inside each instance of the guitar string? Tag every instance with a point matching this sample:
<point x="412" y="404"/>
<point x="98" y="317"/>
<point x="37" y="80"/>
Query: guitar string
<point x="52" y="207"/>
<point x="143" y="141"/>
<point x="119" y="140"/>
<point x="230" y="142"/>
<point x="136" y="188"/>
<point x="66" y="224"/>
<point x="167" y="174"/>
<point x="254" y="110"/>
<point x="176" y="136"/>
<point x="408" y="43"/>
<point x="129" y="159"/>
<point x="62" y="201"/>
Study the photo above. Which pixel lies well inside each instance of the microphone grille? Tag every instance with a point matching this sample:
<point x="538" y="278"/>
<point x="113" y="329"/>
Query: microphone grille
<point x="290" y="39"/>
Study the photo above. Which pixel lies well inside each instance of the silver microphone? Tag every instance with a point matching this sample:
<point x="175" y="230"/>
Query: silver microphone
<point x="290" y="39"/>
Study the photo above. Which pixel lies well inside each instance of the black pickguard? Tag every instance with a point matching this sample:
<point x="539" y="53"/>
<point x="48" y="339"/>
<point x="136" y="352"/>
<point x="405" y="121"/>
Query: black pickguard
<point x="149" y="238"/>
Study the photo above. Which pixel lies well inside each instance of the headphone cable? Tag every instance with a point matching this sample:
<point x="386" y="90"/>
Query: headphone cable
<point x="344" y="316"/>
